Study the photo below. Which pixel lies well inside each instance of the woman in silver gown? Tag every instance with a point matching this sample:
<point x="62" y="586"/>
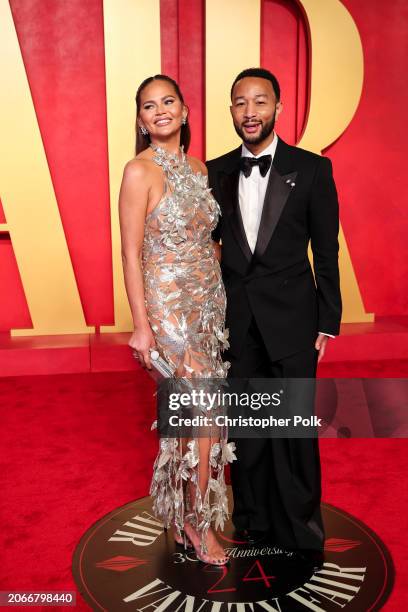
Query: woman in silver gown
<point x="174" y="286"/>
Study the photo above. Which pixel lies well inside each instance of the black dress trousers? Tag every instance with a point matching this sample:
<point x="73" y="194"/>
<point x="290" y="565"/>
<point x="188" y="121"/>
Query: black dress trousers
<point x="277" y="482"/>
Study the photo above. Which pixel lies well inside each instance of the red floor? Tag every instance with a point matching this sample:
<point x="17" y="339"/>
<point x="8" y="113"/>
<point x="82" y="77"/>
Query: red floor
<point x="386" y="338"/>
<point x="76" y="446"/>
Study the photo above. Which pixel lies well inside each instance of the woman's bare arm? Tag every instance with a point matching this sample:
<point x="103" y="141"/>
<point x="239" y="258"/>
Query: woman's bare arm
<point x="133" y="201"/>
<point x="217" y="250"/>
<point x="198" y="166"/>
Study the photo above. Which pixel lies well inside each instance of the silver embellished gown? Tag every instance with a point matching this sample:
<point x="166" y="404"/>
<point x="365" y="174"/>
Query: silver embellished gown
<point x="185" y="302"/>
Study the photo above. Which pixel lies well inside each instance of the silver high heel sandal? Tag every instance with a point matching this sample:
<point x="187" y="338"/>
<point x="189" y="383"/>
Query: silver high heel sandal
<point x="205" y="557"/>
<point x="180" y="537"/>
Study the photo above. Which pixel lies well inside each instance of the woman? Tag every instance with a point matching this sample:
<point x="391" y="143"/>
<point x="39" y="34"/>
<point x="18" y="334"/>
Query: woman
<point x="177" y="299"/>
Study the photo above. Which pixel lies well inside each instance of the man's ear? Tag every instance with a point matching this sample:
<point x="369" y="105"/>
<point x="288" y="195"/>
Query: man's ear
<point x="279" y="109"/>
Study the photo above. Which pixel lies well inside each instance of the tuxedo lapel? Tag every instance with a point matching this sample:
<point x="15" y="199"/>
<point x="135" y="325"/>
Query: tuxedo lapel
<point x="229" y="183"/>
<point x="280" y="184"/>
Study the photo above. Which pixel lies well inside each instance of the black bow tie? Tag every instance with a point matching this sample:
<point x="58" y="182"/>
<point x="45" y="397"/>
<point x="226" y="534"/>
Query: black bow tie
<point x="247" y="163"/>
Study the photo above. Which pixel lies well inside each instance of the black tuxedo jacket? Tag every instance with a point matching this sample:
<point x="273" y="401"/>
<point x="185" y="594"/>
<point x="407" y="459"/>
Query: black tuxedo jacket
<point x="276" y="284"/>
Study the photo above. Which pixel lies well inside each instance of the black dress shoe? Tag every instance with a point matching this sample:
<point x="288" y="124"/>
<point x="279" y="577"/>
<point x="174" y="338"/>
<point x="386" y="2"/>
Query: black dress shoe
<point x="251" y="536"/>
<point x="312" y="559"/>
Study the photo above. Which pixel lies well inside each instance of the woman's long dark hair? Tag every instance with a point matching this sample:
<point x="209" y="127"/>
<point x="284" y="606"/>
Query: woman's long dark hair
<point x="142" y="142"/>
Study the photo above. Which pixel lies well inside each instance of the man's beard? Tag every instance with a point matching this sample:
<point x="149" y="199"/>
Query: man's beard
<point x="267" y="129"/>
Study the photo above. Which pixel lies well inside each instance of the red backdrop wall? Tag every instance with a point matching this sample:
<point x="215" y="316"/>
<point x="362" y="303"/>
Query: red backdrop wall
<point x="63" y="50"/>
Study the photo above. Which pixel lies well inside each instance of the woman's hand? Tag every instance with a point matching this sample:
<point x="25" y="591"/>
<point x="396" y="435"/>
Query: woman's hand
<point x="141" y="341"/>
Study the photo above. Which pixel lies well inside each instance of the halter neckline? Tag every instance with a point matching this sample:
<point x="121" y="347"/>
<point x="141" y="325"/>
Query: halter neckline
<point x="174" y="158"/>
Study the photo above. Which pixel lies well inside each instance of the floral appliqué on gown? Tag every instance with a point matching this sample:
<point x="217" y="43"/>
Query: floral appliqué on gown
<point x="185" y="302"/>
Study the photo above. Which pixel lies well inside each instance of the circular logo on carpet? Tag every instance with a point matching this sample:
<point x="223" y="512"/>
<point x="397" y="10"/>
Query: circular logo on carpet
<point x="126" y="561"/>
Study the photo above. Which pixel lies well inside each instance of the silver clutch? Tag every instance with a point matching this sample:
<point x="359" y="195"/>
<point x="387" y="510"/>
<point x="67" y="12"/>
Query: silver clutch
<point x="162" y="369"/>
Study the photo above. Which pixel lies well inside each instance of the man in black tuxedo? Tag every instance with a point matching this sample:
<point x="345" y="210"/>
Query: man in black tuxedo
<point x="274" y="199"/>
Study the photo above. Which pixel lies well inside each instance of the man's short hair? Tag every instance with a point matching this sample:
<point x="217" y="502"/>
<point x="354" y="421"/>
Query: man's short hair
<point x="261" y="73"/>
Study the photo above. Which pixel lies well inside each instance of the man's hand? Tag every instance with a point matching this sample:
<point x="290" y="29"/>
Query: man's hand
<point x="320" y="345"/>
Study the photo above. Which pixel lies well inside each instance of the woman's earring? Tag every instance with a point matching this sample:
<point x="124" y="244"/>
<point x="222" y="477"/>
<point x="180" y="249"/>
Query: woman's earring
<point x="184" y="120"/>
<point x="143" y="130"/>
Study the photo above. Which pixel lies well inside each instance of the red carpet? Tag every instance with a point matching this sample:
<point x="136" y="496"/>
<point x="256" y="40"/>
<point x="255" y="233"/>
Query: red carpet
<point x="76" y="446"/>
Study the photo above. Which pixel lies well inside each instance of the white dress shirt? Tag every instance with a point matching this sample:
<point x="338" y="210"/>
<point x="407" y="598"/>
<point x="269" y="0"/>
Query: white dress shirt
<point x="252" y="190"/>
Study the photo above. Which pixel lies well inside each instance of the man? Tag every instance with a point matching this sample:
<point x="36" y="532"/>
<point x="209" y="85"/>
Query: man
<point x="275" y="198"/>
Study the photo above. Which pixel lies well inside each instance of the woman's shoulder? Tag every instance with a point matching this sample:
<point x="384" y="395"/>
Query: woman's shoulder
<point x="139" y="167"/>
<point x="197" y="165"/>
